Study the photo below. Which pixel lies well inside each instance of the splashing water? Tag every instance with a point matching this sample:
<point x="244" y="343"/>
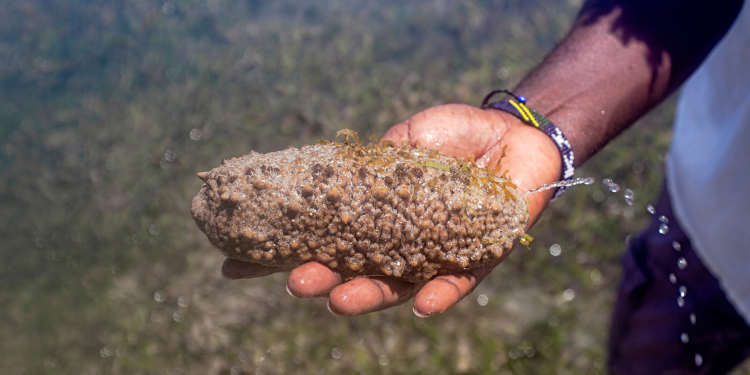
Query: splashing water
<point x="676" y="246"/>
<point x="682" y="263"/>
<point x="629" y="197"/>
<point x="336" y="353"/>
<point x="577" y="181"/>
<point x="611" y="185"/>
<point x="663" y="229"/>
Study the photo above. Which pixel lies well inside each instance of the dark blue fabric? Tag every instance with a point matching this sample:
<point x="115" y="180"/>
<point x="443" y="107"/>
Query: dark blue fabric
<point x="648" y="322"/>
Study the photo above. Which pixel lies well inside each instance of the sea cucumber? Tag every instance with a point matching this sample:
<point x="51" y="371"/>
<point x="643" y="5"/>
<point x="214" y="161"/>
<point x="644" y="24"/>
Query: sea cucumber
<point x="377" y="209"/>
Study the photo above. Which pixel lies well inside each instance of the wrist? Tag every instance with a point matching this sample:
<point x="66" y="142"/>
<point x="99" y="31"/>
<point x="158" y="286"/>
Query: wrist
<point x="516" y="105"/>
<point x="533" y="160"/>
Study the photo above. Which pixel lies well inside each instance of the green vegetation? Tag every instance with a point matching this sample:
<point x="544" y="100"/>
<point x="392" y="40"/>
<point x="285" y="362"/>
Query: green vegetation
<point x="108" y="108"/>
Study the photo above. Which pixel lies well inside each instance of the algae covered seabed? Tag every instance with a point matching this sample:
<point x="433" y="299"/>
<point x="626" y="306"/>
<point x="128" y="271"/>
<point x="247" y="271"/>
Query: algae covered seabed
<point x="107" y="110"/>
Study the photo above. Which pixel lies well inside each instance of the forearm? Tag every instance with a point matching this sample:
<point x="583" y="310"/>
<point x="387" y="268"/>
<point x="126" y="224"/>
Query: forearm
<point x="618" y="62"/>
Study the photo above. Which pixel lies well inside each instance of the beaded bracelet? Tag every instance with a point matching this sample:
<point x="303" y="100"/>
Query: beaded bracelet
<point x="534" y="118"/>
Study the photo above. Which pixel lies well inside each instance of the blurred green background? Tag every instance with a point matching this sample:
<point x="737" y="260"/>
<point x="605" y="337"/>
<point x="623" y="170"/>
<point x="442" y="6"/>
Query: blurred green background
<point x="108" y="108"/>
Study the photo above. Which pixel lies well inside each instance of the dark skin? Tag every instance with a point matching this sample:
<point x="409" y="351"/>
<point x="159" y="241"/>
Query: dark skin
<point x="621" y="59"/>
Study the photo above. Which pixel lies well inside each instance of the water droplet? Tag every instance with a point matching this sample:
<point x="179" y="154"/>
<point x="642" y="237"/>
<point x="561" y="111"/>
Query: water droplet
<point x="553" y="321"/>
<point x="514" y="353"/>
<point x="629" y="197"/>
<point x="650" y="209"/>
<point x="235" y="370"/>
<point x="155" y="317"/>
<point x="383" y="360"/>
<point x="105" y="352"/>
<point x="676" y="246"/>
<point x="154" y="230"/>
<point x="555" y="250"/>
<point x="482" y="300"/>
<point x="159" y="296"/>
<point x="611" y="185"/>
<point x="683" y="291"/>
<point x="571" y="243"/>
<point x="597" y="196"/>
<point x="178" y="317"/>
<point x="680" y="302"/>
<point x="672" y="278"/>
<point x="698" y="359"/>
<point x="681" y="263"/>
<point x="503" y="74"/>
<point x="663" y="219"/>
<point x="195" y="135"/>
<point x="336" y="353"/>
<point x="595" y="275"/>
<point x="684" y="338"/>
<point x="183" y="301"/>
<point x="170" y="155"/>
<point x="529" y="352"/>
<point x="663" y="229"/>
<point x="569" y="294"/>
<point x="693" y="318"/>
<point x="638" y="167"/>
<point x="581" y="258"/>
<point x="168" y="7"/>
<point x="612" y="202"/>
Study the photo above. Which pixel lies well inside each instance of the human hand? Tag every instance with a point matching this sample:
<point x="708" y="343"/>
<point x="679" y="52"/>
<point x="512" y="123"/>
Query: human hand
<point x="459" y="130"/>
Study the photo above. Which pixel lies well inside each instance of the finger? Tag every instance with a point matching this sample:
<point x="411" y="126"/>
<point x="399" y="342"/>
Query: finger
<point x="398" y="133"/>
<point x="234" y="269"/>
<point x="365" y="295"/>
<point x="442" y="292"/>
<point x="312" y="280"/>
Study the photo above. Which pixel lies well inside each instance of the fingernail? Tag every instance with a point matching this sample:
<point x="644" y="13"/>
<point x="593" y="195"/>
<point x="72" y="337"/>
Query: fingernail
<point x="331" y="310"/>
<point x="290" y="291"/>
<point x="419" y="314"/>
<point x="228" y="274"/>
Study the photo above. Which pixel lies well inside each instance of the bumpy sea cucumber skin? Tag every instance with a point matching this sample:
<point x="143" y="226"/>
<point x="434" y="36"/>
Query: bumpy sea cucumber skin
<point x="376" y="210"/>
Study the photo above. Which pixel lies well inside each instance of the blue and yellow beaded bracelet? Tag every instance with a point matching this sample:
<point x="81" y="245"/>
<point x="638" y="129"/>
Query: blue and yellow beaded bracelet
<point x="531" y="117"/>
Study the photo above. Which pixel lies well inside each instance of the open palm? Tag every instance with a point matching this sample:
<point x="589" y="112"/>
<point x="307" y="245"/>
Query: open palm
<point x="459" y="130"/>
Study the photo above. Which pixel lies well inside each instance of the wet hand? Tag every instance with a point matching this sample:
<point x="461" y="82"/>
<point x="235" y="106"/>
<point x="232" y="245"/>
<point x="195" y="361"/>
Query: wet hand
<point x="458" y="130"/>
